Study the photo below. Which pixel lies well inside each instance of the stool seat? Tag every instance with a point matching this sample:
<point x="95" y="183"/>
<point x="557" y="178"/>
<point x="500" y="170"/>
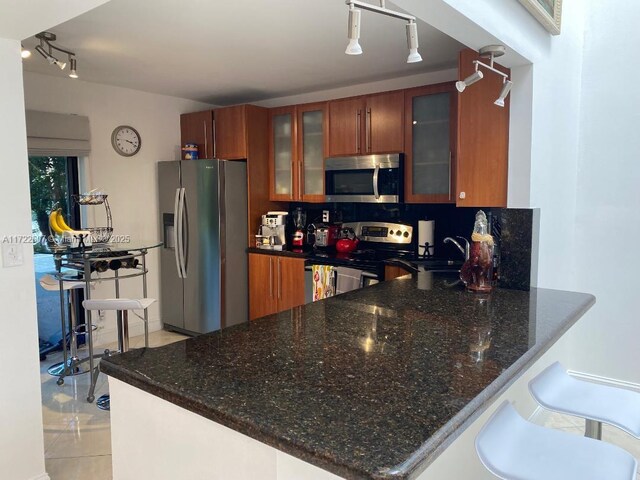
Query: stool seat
<point x="50" y="283"/>
<point x="118" y="304"/>
<point x="558" y="391"/>
<point x="514" y="449"/>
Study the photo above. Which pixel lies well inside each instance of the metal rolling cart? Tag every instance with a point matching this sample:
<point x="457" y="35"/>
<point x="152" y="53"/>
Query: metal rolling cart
<point x="70" y="263"/>
<point x="76" y="260"/>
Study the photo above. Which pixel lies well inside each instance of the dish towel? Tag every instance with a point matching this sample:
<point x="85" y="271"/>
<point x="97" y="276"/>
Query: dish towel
<point x="323" y="276"/>
<point x="348" y="279"/>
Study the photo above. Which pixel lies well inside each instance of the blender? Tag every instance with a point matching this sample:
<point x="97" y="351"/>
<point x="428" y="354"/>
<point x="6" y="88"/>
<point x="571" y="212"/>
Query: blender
<point x="300" y="221"/>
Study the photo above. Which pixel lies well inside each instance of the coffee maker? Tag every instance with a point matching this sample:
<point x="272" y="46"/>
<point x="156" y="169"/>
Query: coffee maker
<point x="271" y="235"/>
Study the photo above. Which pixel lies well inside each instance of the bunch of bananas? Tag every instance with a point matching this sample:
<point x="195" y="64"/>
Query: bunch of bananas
<point x="57" y="223"/>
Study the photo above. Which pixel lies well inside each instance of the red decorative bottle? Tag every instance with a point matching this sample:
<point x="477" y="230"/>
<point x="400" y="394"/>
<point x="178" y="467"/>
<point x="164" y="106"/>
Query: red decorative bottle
<point x="477" y="271"/>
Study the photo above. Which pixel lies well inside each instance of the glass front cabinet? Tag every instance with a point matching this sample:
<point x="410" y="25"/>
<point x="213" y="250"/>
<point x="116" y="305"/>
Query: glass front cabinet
<point x="430" y="144"/>
<point x="297" y="148"/>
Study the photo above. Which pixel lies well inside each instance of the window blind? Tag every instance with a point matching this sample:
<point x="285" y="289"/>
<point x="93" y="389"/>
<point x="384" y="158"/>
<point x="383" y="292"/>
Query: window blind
<point x="57" y="134"/>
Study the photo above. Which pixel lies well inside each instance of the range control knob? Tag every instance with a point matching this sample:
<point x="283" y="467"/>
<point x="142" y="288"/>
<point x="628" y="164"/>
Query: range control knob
<point x="406" y="234"/>
<point x="398" y="233"/>
<point x="390" y="232"/>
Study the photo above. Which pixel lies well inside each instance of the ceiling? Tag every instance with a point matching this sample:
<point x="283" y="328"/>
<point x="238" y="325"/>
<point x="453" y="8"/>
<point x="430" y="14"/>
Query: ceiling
<point x="236" y="51"/>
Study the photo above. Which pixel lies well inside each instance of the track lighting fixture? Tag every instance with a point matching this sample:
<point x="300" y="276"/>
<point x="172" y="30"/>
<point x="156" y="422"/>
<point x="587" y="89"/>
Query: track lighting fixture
<point x="24" y="53"/>
<point x="354" y="47"/>
<point x="412" y="43"/>
<point x="506" y="88"/>
<point x="491" y="51"/>
<point x="72" y="68"/>
<point x="470" y="80"/>
<point x="46" y="50"/>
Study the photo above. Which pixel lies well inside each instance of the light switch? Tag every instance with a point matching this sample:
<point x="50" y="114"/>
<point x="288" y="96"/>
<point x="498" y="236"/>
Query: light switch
<point x="325" y="216"/>
<point x="12" y="255"/>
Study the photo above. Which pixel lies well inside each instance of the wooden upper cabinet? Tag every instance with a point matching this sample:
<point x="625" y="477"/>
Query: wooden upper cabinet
<point x="367" y="125"/>
<point x="297" y="149"/>
<point x="483" y="138"/>
<point x="384" y="123"/>
<point x="430" y="143"/>
<point x="197" y="127"/>
<point x="230" y="132"/>
<point x="282" y="154"/>
<point x="312" y="140"/>
<point x="346" y="126"/>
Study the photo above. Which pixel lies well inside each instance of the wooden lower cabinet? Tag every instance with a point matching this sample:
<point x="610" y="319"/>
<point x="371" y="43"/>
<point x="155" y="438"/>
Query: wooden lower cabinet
<point x="276" y="283"/>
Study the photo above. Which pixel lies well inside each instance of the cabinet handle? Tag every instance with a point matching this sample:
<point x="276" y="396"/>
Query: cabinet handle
<point x="206" y="149"/>
<point x="368" y="129"/>
<point x="449" y="174"/>
<point x="300" y="186"/>
<point x="279" y="281"/>
<point x="270" y="278"/>
<point x="358" y="114"/>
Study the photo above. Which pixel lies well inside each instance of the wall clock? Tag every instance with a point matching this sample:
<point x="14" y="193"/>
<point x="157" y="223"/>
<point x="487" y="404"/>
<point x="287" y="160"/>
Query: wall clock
<point x="126" y="140"/>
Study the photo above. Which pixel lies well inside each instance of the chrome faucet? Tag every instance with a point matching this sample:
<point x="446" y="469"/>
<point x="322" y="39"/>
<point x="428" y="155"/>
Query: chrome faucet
<point x="465" y="250"/>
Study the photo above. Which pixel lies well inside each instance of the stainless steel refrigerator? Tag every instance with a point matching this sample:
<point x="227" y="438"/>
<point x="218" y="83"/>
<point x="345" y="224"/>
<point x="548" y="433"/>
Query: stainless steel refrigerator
<point x="203" y="261"/>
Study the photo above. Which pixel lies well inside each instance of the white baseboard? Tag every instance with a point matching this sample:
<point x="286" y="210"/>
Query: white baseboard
<point x="42" y="476"/>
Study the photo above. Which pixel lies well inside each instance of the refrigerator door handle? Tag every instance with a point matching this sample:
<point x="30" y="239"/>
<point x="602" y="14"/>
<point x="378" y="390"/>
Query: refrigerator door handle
<point x="181" y="217"/>
<point x="176" y="236"/>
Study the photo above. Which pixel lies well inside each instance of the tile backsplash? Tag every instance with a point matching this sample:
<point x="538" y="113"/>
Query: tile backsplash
<point x="512" y="228"/>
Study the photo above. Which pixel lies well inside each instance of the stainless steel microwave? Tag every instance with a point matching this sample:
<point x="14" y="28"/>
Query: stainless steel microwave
<point x="367" y="179"/>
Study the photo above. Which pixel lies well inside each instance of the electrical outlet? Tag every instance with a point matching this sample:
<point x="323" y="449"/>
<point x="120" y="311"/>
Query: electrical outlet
<point x="12" y="255"/>
<point x="325" y="216"/>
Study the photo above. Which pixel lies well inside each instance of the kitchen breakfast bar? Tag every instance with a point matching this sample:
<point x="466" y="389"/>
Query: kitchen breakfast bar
<point x="377" y="383"/>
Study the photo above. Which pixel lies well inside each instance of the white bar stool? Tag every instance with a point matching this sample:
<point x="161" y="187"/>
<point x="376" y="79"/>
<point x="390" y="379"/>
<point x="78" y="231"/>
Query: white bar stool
<point x="52" y="284"/>
<point x="122" y="307"/>
<point x="558" y="391"/>
<point x="514" y="449"/>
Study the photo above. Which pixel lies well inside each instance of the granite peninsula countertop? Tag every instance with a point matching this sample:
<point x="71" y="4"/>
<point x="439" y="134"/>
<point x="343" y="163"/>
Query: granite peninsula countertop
<point x="371" y="384"/>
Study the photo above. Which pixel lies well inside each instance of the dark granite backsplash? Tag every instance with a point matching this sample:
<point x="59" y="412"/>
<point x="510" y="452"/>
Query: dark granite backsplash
<point x="512" y="228"/>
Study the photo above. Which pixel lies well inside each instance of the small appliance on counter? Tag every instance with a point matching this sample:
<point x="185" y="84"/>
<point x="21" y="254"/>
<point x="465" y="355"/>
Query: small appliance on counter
<point x="271" y="234"/>
<point x="300" y="221"/>
<point x="327" y="235"/>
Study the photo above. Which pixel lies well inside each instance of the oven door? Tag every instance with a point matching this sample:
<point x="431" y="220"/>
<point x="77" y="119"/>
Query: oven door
<point x="367" y="179"/>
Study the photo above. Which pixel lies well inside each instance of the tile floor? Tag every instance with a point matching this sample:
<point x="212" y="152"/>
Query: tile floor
<point x="77" y="434"/>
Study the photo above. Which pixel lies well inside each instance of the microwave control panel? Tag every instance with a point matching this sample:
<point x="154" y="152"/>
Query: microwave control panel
<point x="382" y="232"/>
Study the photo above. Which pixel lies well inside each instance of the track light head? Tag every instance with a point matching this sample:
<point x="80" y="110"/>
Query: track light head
<point x="24" y="53"/>
<point x="72" y="68"/>
<point x="412" y="43"/>
<point x="353" y="34"/>
<point x="470" y="80"/>
<point x="60" y="64"/>
<point x="506" y="88"/>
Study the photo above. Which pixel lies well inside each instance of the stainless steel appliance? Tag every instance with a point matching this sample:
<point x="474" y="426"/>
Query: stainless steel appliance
<point x="272" y="233"/>
<point x="327" y="235"/>
<point x="379" y="243"/>
<point x="203" y="262"/>
<point x="368" y="179"/>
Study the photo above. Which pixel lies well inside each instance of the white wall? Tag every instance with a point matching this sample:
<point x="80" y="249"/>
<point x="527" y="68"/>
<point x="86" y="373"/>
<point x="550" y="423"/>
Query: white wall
<point x="21" y="437"/>
<point x="130" y="182"/>
<point x="364" y="88"/>
<point x="580" y="125"/>
<point x="607" y="223"/>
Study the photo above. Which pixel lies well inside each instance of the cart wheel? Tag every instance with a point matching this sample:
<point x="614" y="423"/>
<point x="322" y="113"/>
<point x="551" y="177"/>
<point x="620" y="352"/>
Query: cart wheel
<point x="60" y="381"/>
<point x="90" y="398"/>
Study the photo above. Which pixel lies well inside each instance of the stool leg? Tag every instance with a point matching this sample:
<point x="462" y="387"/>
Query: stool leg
<point x="593" y="429"/>
<point x="104" y="402"/>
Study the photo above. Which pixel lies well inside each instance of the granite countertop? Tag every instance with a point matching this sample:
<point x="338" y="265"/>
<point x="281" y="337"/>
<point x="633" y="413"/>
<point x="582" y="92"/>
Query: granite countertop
<point x="371" y="384"/>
